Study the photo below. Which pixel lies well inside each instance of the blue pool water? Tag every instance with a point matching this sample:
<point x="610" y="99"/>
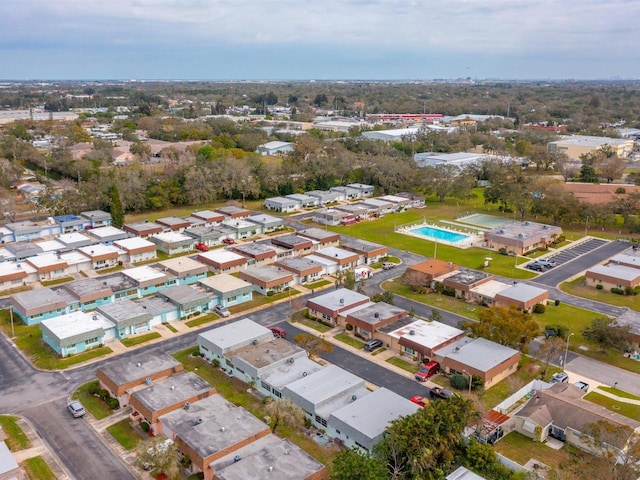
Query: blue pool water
<point x="433" y="233"/>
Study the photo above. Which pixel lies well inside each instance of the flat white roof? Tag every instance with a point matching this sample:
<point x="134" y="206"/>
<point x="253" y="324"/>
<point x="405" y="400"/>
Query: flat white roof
<point x="108" y="231"/>
<point x="238" y="223"/>
<point x="46" y="260"/>
<point x="616" y="271"/>
<point x="100" y="249"/>
<point x="427" y="334"/>
<point x="591" y="141"/>
<point x="76" y="323"/>
<point x="74" y="237"/>
<point x="336" y="252"/>
<point x="8" y="268"/>
<point x="628" y="257"/>
<point x="490" y="289"/>
<point x="224" y="283"/>
<point x="144" y="273"/>
<point x="236" y="334"/>
<point x="171" y="237"/>
<point x="180" y="264"/>
<point x="523" y="292"/>
<point x="222" y="256"/>
<point x="285" y="373"/>
<point x="51" y="245"/>
<point x="133" y="243"/>
<point x="321" y="260"/>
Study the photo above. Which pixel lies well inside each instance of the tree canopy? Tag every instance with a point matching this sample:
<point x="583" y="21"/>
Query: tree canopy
<point x="506" y="326"/>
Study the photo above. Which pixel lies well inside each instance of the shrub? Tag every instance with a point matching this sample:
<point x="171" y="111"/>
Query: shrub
<point x="215" y="362"/>
<point x="599" y="286"/>
<point x="620" y="190"/>
<point x="104" y="395"/>
<point x="94" y="388"/>
<point x="270" y="293"/>
<point x="557" y="302"/>
<point x="348" y="327"/>
<point x="558" y="330"/>
<point x="503" y="251"/>
<point x="617" y="291"/>
<point x="113" y="403"/>
<point x="630" y="291"/>
<point x="539" y="308"/>
<point x="448" y="291"/>
<point x="459" y="382"/>
<point x="145" y="427"/>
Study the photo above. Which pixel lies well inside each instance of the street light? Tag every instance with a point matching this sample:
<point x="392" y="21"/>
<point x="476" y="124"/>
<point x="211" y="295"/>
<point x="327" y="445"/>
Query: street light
<point x="464" y="371"/>
<point x="566" y="350"/>
<point x="13" y="333"/>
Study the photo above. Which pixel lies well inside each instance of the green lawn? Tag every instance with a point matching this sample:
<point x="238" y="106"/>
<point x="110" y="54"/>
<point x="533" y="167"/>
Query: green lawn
<point x="411" y="367"/>
<point x="521" y="449"/>
<point x="579" y="288"/>
<point x="57" y="281"/>
<point x="171" y="327"/>
<point x="619" y="393"/>
<point x="349" y="340"/>
<point x="137" y="340"/>
<point x="94" y="405"/>
<point x="299" y="317"/>
<point x="125" y="434"/>
<point x="318" y="284"/>
<point x="201" y="320"/>
<point x="260" y="300"/>
<point x="627" y="409"/>
<point x="16" y="438"/>
<point x="37" y="469"/>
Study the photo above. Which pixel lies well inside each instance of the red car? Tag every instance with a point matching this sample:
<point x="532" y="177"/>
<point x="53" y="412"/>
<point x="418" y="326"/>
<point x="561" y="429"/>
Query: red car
<point x="418" y="400"/>
<point x="427" y="370"/>
<point x="228" y="241"/>
<point x="278" y="332"/>
<point x="203" y="247"/>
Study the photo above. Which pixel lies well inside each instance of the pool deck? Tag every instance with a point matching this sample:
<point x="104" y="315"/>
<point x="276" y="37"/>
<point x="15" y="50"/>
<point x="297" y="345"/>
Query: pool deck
<point x="473" y="239"/>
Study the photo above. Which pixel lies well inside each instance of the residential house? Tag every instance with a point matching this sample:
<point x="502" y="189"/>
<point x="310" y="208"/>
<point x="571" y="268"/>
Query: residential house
<point x="216" y="343"/>
<point x="169" y="395"/>
<point x="174" y="224"/>
<point x="275" y="148"/>
<point x="222" y="261"/>
<point x="346" y="259"/>
<point x="189" y="300"/>
<point x="102" y="256"/>
<point x="257" y="253"/>
<point x="365" y="190"/>
<point x="325" y="197"/>
<point x="329" y="266"/>
<point x="234" y="212"/>
<point x="267" y="223"/>
<point x="211" y="235"/>
<point x="74" y="332"/>
<point x="418" y="338"/>
<point x="95" y="219"/>
<point x="298" y="244"/>
<point x="227" y="290"/>
<point x="267" y="279"/>
<point x="368" y="252"/>
<point x="282" y="204"/>
<point x="628" y="258"/>
<point x="522" y="296"/>
<point x="9" y="468"/>
<point x="332" y="217"/>
<point x="303" y="269"/>
<point x="324" y="238"/>
<point x="488" y="360"/>
<point x="356" y="212"/>
<point x="330" y="306"/>
<point x="349" y="193"/>
<point x="143" y="229"/>
<point x="137" y="249"/>
<point x="14" y="275"/>
<point x="107" y="235"/>
<point x="34" y="306"/>
<point x="210" y="218"/>
<point x="400" y="203"/>
<point x="378" y="207"/>
<point x="362" y="423"/>
<point x="49" y="267"/>
<point x="183" y="269"/>
<point x="241" y="227"/>
<point x="306" y="201"/>
<point x="128" y="317"/>
<point x="69" y="223"/>
<point x="465" y="280"/>
<point x="75" y="240"/>
<point x="148" y="280"/>
<point x="423" y="274"/>
<point x="366" y="319"/>
<point x="560" y="412"/>
<point x="417" y="201"/>
<point x="123" y="374"/>
<point x="173" y="243"/>
<point x="325" y="391"/>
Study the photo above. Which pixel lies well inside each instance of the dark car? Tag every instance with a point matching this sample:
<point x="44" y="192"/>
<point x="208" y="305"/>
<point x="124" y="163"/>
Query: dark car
<point x="546" y="263"/>
<point x="228" y="241"/>
<point x="371" y="345"/>
<point x="438" y="392"/>
<point x="278" y="332"/>
<point x="538" y="267"/>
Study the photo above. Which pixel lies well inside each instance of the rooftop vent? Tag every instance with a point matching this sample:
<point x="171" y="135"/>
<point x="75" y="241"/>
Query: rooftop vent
<point x="354" y="398"/>
<point x="291" y="360"/>
<point x="173" y="387"/>
<point x="269" y="468"/>
<point x="457" y="349"/>
<point x="255" y="342"/>
<point x="342" y="301"/>
<point x="197" y="421"/>
<point x="237" y="458"/>
<point x="148" y="381"/>
<point x="187" y="405"/>
<point x="376" y="315"/>
<point x="94" y="317"/>
<point x="412" y="332"/>
<point x="222" y="429"/>
<point x="138" y="364"/>
<point x="304" y="374"/>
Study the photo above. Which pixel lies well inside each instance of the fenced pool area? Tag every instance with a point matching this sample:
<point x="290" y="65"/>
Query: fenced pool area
<point x="485" y="221"/>
<point x="457" y="237"/>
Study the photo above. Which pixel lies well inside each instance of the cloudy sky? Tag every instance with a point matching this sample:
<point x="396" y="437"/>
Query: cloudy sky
<point x="319" y="39"/>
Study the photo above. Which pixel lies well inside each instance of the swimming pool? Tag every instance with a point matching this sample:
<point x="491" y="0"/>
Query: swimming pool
<point x="440" y="234"/>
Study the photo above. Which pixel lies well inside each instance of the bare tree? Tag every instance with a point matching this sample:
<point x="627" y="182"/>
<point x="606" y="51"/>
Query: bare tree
<point x="550" y="348"/>
<point x="158" y="455"/>
<point x="312" y="344"/>
<point x="282" y="411"/>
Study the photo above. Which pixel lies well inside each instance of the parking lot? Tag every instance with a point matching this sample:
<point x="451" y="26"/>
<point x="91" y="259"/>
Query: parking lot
<point x="568" y="254"/>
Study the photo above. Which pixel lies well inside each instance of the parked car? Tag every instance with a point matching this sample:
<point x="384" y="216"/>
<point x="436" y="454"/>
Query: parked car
<point x="582" y="386"/>
<point x="546" y="263"/>
<point x="371" y="345"/>
<point x="203" y="247"/>
<point x="388" y="265"/>
<point x="538" y="267"/>
<point x="427" y="370"/>
<point x="76" y="409"/>
<point x="228" y="241"/>
<point x="439" y="392"/>
<point x="221" y="310"/>
<point x="418" y="400"/>
<point x="560" y="377"/>
<point x="278" y="332"/>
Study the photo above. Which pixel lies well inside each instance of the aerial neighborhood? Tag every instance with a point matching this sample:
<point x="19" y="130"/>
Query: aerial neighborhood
<point x="238" y="281"/>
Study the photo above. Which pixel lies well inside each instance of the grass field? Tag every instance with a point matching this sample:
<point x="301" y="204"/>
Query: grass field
<point x="125" y="434"/>
<point x="578" y="288"/>
<point x="37" y="469"/>
<point x="349" y="340"/>
<point x="627" y="409"/>
<point x="16" y="439"/>
<point x="94" y="405"/>
<point x="411" y="367"/>
<point x="140" y="339"/>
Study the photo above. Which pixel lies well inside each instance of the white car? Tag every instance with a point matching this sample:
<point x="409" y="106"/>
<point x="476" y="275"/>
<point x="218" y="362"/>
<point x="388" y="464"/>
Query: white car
<point x="221" y="310"/>
<point x="76" y="409"/>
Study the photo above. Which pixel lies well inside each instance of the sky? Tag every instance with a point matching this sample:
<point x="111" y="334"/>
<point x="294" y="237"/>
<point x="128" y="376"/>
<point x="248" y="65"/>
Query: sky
<point x="319" y="39"/>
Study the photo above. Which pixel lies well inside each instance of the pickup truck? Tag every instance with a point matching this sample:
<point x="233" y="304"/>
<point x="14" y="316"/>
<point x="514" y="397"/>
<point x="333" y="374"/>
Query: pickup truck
<point x="427" y="370"/>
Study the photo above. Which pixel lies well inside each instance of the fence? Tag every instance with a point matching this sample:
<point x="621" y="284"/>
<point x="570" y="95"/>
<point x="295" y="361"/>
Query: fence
<point x="505" y="406"/>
